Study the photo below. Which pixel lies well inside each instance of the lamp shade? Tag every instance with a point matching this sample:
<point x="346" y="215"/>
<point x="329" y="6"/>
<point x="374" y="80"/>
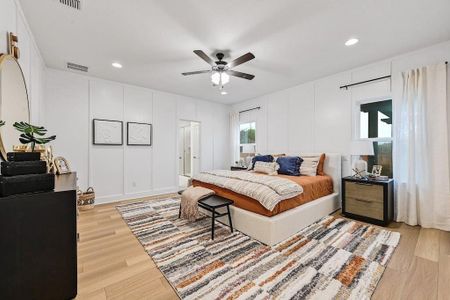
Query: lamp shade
<point x="361" y="148"/>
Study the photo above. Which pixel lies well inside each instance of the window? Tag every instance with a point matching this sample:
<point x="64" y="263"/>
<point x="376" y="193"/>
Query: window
<point x="247" y="144"/>
<point x="375" y="123"/>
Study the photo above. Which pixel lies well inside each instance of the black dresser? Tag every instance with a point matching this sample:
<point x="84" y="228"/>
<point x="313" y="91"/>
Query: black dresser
<point x="38" y="243"/>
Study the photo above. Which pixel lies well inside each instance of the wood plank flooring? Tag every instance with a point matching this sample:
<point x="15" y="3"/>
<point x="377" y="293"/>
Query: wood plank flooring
<point x="112" y="264"/>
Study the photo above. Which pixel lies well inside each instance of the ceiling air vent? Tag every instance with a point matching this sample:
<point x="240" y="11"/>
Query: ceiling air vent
<point x="72" y="3"/>
<point x="77" y="67"/>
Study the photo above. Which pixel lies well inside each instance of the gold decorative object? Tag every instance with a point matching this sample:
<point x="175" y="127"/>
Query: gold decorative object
<point x="61" y="165"/>
<point x="13" y="49"/>
<point x="20" y="148"/>
<point x="48" y="157"/>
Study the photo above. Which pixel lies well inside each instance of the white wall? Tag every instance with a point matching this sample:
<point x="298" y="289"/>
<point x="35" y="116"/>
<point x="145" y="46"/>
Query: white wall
<point x="31" y="62"/>
<point x="317" y="116"/>
<point x="123" y="172"/>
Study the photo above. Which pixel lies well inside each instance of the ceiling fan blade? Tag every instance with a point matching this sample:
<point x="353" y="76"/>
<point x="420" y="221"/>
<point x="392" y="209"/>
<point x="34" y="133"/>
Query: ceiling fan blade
<point x="240" y="60"/>
<point x="196" y="72"/>
<point x="205" y="57"/>
<point x="240" y="74"/>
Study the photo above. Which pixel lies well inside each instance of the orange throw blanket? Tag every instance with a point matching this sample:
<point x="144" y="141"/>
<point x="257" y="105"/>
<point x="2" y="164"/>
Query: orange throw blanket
<point x="189" y="199"/>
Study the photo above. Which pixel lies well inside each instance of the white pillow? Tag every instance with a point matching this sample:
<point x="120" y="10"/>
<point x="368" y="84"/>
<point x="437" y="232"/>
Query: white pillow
<point x="309" y="165"/>
<point x="269" y="168"/>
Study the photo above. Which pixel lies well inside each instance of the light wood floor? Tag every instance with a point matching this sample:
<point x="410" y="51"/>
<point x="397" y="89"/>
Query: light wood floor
<point x="113" y="265"/>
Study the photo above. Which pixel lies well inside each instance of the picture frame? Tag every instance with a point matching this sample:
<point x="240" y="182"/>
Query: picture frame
<point x="61" y="165"/>
<point x="139" y="134"/>
<point x="376" y="170"/>
<point x="107" y="132"/>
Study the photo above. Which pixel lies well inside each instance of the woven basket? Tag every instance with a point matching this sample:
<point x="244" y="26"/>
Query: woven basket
<point x="86" y="200"/>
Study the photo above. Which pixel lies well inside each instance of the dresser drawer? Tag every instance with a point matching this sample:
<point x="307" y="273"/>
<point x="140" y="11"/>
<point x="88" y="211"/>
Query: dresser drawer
<point x="364" y="192"/>
<point x="363" y="207"/>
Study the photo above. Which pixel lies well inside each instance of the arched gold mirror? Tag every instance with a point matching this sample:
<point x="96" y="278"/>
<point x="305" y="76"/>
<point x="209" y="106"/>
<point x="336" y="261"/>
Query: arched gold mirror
<point x="14" y="106"/>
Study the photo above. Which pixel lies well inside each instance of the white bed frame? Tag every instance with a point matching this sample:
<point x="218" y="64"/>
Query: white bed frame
<point x="272" y="230"/>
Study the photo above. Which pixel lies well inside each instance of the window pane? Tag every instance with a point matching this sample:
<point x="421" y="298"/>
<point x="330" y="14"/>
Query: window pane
<point x="383" y="157"/>
<point x="376" y="120"/>
<point x="248" y="133"/>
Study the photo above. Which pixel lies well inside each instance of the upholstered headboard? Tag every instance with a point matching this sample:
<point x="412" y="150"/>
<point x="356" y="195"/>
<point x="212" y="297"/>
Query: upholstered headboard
<point x="332" y="167"/>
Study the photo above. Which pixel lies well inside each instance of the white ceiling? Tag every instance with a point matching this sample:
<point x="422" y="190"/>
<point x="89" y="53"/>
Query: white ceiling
<point x="293" y="40"/>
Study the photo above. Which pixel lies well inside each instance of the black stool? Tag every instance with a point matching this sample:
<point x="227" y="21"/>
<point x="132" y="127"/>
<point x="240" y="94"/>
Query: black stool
<point x="211" y="204"/>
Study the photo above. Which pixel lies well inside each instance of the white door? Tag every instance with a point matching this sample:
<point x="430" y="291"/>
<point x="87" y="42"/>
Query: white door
<point x="187" y="151"/>
<point x="195" y="147"/>
<point x="181" y="151"/>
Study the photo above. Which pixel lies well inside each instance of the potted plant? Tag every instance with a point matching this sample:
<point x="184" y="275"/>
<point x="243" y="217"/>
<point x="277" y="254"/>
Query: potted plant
<point x="33" y="135"/>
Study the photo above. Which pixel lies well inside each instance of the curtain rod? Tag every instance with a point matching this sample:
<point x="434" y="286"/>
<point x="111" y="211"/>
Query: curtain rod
<point x="362" y="82"/>
<point x="243" y="111"/>
<point x="370" y="80"/>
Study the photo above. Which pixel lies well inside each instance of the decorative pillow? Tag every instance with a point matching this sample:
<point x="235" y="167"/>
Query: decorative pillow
<point x="269" y="168"/>
<point x="289" y="165"/>
<point x="309" y="165"/>
<point x="321" y="164"/>
<point x="263" y="158"/>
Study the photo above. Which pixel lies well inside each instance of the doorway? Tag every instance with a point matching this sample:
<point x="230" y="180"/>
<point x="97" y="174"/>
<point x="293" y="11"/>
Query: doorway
<point x="188" y="151"/>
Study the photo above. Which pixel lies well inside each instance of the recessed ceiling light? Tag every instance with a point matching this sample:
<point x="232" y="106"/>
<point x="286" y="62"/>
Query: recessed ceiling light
<point x="351" y="42"/>
<point x="117" y="65"/>
<point x="223" y="93"/>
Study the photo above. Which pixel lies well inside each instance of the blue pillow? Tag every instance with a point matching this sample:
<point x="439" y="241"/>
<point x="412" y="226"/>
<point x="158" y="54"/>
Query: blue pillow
<point x="264" y="158"/>
<point x="289" y="165"/>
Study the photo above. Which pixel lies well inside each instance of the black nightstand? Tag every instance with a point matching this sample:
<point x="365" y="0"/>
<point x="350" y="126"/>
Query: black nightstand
<point x="370" y="201"/>
<point x="237" y="168"/>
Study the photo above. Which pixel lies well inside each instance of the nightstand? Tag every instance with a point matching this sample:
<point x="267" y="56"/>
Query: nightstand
<point x="370" y="201"/>
<point x="237" y="168"/>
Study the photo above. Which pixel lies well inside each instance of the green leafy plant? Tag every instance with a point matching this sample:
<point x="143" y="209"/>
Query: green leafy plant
<point x="32" y="134"/>
<point x="2" y="123"/>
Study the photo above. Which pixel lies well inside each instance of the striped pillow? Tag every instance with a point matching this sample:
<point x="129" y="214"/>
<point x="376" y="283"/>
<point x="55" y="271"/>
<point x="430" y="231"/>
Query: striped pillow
<point x="309" y="165"/>
<point x="269" y="168"/>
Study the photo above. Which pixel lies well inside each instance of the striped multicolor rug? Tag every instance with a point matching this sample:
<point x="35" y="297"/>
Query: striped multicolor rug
<point x="333" y="258"/>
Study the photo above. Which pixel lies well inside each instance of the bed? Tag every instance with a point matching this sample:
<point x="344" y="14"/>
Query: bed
<point x="320" y="197"/>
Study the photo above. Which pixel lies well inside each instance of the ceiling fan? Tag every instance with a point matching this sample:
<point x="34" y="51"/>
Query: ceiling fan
<point x="221" y="70"/>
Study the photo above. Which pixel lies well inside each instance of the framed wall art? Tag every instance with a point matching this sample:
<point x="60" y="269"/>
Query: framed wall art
<point x="107" y="132"/>
<point x="139" y="134"/>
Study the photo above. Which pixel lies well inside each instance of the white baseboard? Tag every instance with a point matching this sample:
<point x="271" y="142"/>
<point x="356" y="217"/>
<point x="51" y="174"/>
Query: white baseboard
<point x="131" y="196"/>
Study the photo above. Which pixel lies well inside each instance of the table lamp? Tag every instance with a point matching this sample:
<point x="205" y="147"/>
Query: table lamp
<point x="361" y="148"/>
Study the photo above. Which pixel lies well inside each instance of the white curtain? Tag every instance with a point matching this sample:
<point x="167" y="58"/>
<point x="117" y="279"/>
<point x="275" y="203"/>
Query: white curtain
<point x="421" y="159"/>
<point x="234" y="136"/>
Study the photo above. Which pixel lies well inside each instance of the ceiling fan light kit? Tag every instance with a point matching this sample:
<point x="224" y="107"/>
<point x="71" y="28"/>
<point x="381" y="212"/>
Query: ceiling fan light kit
<point x="221" y="70"/>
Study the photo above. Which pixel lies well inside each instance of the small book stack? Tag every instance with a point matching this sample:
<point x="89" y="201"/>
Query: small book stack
<point x="24" y="172"/>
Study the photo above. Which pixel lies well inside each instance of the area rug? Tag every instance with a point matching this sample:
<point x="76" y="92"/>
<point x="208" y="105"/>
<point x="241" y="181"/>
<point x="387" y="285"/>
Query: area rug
<point x="333" y="258"/>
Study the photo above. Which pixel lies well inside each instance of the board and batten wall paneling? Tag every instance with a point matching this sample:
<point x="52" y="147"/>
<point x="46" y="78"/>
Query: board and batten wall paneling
<point x="332" y="124"/>
<point x="8" y="23"/>
<point x="33" y="67"/>
<point x="25" y="48"/>
<point x="277" y="118"/>
<point x="106" y="162"/>
<point x="164" y="142"/>
<point x="125" y="172"/>
<point x="138" y="159"/>
<point x="301" y="119"/>
<point x="67" y="116"/>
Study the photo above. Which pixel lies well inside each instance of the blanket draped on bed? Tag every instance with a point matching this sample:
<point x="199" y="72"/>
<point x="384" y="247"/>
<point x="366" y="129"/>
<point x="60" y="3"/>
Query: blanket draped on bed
<point x="268" y="190"/>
